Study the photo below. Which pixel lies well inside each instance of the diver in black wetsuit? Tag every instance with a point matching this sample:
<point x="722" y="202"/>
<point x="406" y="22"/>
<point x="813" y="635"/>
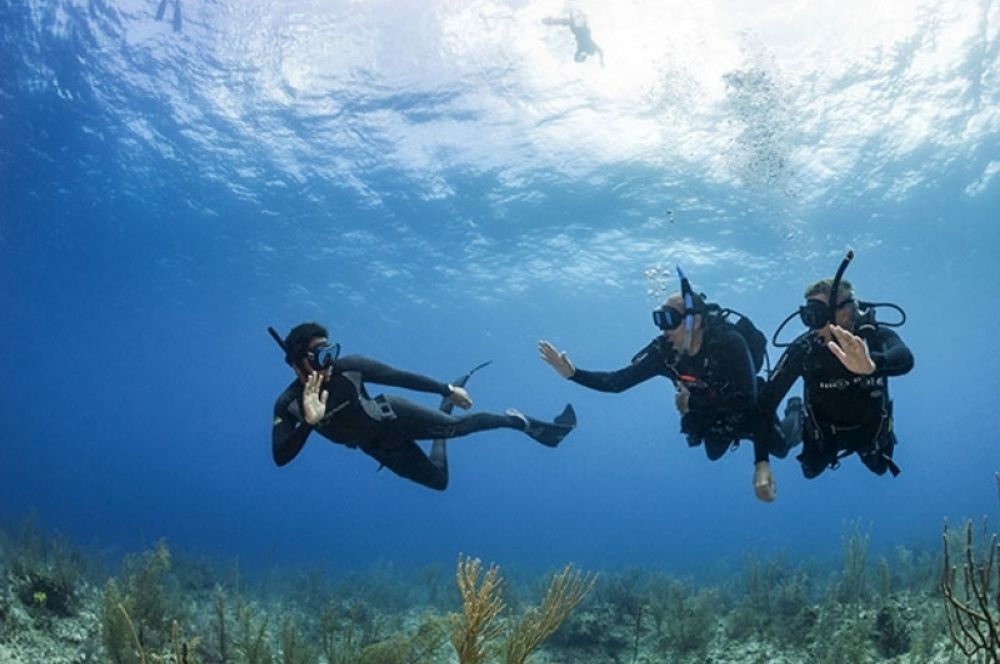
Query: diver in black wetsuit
<point x="585" y="44"/>
<point x="711" y="367"/>
<point x="845" y="361"/>
<point x="329" y="396"/>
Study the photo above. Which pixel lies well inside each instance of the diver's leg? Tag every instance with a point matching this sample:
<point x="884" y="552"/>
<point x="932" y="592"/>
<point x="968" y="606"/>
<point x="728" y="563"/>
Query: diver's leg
<point x="547" y="433"/>
<point x="409" y="461"/>
<point x="878" y="458"/>
<point x="416" y="421"/>
<point x="439" y="454"/>
<point x="716" y="447"/>
<point x="815" y="457"/>
<point x="422" y="423"/>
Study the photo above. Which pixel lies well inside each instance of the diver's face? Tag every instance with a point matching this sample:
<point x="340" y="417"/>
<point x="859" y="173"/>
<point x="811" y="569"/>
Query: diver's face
<point x="676" y="335"/>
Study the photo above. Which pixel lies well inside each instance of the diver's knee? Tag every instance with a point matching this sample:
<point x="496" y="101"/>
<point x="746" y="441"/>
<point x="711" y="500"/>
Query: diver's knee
<point x="438" y="482"/>
<point x="714" y="449"/>
<point x="811" y="466"/>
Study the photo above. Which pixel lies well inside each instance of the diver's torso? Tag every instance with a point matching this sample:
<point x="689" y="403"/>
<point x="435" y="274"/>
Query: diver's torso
<point x="837" y="396"/>
<point x="713" y="376"/>
<point x="352" y="417"/>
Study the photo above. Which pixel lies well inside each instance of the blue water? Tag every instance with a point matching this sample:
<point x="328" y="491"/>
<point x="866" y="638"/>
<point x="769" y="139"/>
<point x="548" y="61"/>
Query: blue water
<point x="442" y="185"/>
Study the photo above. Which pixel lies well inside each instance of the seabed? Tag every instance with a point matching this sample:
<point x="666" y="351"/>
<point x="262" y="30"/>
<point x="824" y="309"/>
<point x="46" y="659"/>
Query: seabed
<point x="62" y="605"/>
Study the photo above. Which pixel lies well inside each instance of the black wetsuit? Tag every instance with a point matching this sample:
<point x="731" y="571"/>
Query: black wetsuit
<point x="844" y="412"/>
<point x="585" y="44"/>
<point x="721" y="409"/>
<point x="384" y="427"/>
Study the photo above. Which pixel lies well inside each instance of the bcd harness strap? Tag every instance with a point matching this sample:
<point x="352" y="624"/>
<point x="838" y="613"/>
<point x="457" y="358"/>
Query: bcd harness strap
<point x="827" y="434"/>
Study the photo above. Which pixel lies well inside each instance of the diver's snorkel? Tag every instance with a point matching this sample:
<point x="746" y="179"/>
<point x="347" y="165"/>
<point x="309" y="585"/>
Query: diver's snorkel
<point x="832" y="304"/>
<point x="277" y="339"/>
<point x="689" y="310"/>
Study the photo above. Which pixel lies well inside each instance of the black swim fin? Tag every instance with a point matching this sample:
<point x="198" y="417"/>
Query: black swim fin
<point x="551" y="434"/>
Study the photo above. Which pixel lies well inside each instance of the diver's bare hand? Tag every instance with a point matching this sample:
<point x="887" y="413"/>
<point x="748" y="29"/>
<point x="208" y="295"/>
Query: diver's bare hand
<point x="851" y="350"/>
<point x="763" y="482"/>
<point x="558" y="361"/>
<point x="313" y="400"/>
<point x="460" y="397"/>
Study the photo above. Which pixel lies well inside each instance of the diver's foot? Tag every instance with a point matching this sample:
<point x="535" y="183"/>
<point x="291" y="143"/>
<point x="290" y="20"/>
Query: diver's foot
<point x="567" y="417"/>
<point x="515" y="413"/>
<point x="794" y="404"/>
<point x="549" y="434"/>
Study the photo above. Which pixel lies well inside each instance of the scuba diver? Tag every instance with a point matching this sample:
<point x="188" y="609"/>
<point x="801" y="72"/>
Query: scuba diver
<point x="845" y="361"/>
<point x="577" y="23"/>
<point x="329" y="395"/>
<point x="713" y="364"/>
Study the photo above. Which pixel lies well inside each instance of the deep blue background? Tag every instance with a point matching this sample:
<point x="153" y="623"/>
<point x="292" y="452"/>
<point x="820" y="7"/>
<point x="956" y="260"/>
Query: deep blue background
<point x="144" y="250"/>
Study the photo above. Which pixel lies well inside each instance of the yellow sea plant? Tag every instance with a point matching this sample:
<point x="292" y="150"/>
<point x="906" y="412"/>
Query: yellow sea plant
<point x="478" y="625"/>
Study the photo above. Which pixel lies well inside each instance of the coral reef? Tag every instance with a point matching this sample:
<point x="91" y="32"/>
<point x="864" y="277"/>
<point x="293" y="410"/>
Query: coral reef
<point x="480" y="623"/>
<point x="566" y="589"/>
<point x="972" y="597"/>
<point x="477" y="626"/>
<point x="162" y="607"/>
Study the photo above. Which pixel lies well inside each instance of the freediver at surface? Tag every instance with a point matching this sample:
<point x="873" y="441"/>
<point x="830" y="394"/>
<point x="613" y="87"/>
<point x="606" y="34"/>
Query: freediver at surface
<point x="176" y="19"/>
<point x="713" y="364"/>
<point x="577" y="23"/>
<point x="329" y="396"/>
<point x="845" y="361"/>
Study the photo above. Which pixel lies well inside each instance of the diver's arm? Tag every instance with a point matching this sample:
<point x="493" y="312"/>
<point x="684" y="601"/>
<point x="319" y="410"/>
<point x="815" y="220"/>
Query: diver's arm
<point x="641" y="370"/>
<point x="383" y="374"/>
<point x="288" y="434"/>
<point x="741" y="393"/>
<point x="786" y="372"/>
<point x="766" y="430"/>
<point x="893" y="358"/>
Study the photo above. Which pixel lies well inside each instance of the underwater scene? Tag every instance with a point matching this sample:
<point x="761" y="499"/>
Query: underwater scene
<point x="499" y="331"/>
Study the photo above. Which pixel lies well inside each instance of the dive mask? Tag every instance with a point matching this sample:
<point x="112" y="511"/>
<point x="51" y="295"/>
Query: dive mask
<point x="322" y="357"/>
<point x="667" y="318"/>
<point x="815" y="314"/>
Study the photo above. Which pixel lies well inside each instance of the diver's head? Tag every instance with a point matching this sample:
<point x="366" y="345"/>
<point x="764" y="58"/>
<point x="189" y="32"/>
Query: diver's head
<point x="670" y="319"/>
<point x="815" y="314"/>
<point x="308" y="349"/>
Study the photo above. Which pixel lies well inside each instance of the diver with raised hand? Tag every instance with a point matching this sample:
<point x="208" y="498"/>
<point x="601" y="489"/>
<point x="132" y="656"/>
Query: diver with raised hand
<point x="845" y="360"/>
<point x="577" y="23"/>
<point x="713" y="364"/>
<point x="329" y="395"/>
